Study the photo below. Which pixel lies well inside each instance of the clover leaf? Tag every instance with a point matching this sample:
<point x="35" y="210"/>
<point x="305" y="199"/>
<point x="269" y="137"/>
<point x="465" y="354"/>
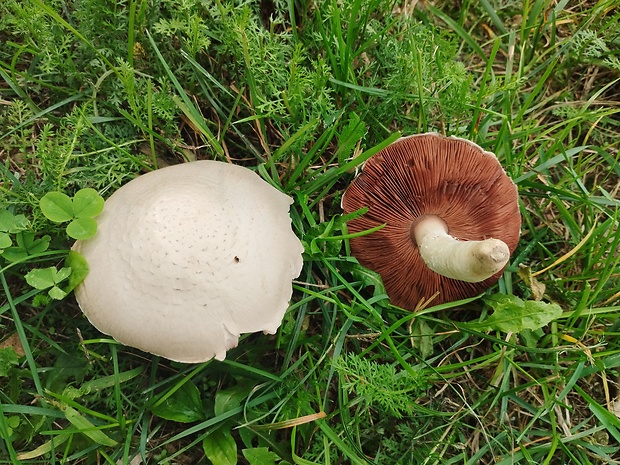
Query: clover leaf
<point x="26" y="246"/>
<point x="49" y="278"/>
<point x="87" y="203"/>
<point x="79" y="211"/>
<point x="10" y="224"/>
<point x="79" y="269"/>
<point x="57" y="207"/>
<point x="5" y="241"/>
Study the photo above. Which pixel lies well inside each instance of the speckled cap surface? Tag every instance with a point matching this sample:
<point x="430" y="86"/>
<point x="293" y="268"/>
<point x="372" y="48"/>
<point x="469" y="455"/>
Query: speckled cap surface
<point x="187" y="258"/>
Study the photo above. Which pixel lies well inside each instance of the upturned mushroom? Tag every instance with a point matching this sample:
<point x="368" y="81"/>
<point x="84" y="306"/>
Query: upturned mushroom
<point x="451" y="218"/>
<point x="187" y="258"/>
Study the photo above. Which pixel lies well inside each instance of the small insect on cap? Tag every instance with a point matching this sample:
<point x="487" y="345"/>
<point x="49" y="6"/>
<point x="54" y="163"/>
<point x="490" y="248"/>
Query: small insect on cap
<point x="187" y="258"/>
<point x="451" y="218"/>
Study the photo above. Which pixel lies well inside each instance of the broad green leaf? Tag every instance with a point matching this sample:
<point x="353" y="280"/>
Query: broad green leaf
<point x="228" y="399"/>
<point x="511" y="314"/>
<point x="62" y="274"/>
<point x="36" y="246"/>
<point x="79" y="269"/>
<point x="24" y="239"/>
<point x="220" y="447"/>
<point x="5" y="241"/>
<point x="82" y="228"/>
<point x="87" y="203"/>
<point x="10" y="223"/>
<point x="42" y="278"/>
<point x="27" y="245"/>
<point x="260" y="456"/>
<point x="6" y="220"/>
<point x="15" y="254"/>
<point x="20" y="222"/>
<point x="183" y="406"/>
<point x="85" y="427"/>
<point x="57" y="207"/>
<point x="57" y="293"/>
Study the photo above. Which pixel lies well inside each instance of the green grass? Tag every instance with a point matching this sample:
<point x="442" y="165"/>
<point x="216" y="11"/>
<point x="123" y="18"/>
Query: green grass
<point x="93" y="93"/>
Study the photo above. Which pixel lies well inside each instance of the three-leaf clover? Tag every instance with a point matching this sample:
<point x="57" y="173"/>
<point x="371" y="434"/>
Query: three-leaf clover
<point x="10" y="224"/>
<point x="26" y="246"/>
<point x="49" y="278"/>
<point x="79" y="211"/>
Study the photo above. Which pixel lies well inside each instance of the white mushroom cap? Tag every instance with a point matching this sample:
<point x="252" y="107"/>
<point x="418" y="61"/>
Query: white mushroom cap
<point x="186" y="258"/>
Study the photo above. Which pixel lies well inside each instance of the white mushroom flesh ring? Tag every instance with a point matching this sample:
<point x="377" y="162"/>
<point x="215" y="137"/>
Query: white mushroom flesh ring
<point x="187" y="258"/>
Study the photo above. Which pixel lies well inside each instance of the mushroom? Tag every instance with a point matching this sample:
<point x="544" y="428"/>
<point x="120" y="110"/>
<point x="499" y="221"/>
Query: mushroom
<point x="187" y="258"/>
<point x="451" y="218"/>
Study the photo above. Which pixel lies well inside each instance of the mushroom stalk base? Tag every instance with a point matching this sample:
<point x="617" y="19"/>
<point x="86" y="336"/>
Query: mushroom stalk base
<point x="470" y="261"/>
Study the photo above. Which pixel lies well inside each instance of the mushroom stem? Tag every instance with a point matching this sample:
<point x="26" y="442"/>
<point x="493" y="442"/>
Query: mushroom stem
<point x="470" y="261"/>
